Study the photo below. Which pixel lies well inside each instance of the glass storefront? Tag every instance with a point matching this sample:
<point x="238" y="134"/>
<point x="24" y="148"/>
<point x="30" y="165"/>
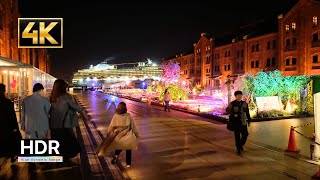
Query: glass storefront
<point x="19" y="79"/>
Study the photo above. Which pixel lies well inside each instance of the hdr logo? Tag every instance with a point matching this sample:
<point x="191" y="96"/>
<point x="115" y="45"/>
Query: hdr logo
<point x="40" y="32"/>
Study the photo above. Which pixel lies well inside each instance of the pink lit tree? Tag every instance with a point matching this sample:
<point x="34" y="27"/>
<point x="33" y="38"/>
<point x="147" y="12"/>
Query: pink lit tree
<point x="171" y="73"/>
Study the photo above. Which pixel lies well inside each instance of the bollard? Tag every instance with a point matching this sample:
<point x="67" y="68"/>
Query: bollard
<point x="312" y="149"/>
<point x="312" y="146"/>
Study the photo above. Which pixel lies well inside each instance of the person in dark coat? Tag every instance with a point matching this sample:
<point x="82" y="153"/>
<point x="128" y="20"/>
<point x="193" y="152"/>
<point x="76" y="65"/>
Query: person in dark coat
<point x="240" y="118"/>
<point x="9" y="131"/>
<point x="63" y="119"/>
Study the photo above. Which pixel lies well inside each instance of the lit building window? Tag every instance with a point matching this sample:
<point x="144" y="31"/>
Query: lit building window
<point x="294" y="27"/>
<point x="315" y="21"/>
<point x="287" y="28"/>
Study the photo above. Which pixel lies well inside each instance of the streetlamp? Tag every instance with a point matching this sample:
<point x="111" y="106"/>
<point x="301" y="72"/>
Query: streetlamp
<point x="229" y="88"/>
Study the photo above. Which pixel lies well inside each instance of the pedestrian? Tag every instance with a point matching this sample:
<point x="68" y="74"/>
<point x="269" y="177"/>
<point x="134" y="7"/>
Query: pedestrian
<point x="240" y="120"/>
<point x="63" y="119"/>
<point x="122" y="135"/>
<point x="9" y="131"/>
<point x="166" y="100"/>
<point x="35" y="114"/>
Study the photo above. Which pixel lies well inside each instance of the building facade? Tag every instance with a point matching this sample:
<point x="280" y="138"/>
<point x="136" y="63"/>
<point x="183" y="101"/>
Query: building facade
<point x="292" y="46"/>
<point x="9" y="39"/>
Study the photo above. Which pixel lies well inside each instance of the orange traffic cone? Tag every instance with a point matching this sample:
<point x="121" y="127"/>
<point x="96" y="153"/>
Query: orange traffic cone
<point x="292" y="145"/>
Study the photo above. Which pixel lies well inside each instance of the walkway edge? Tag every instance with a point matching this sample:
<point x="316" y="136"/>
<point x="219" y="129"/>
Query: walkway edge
<point x="100" y="165"/>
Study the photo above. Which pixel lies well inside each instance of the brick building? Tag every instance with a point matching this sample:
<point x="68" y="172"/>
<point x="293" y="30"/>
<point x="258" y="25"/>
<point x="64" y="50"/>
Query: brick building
<point x="9" y="39"/>
<point x="289" y="42"/>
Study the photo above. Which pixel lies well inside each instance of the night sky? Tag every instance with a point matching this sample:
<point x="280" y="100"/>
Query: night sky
<point x="132" y="31"/>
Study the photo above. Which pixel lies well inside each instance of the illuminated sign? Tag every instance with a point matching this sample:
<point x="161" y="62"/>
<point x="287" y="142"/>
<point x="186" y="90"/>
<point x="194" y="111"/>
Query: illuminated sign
<point x="269" y="103"/>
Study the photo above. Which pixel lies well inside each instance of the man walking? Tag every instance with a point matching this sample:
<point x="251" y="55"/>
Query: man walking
<point x="166" y="100"/>
<point x="34" y="114"/>
<point x="240" y="119"/>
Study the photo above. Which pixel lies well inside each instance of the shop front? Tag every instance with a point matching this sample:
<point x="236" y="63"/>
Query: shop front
<point x="19" y="79"/>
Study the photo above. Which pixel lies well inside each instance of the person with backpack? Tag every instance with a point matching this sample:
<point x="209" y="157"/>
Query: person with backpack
<point x="240" y="120"/>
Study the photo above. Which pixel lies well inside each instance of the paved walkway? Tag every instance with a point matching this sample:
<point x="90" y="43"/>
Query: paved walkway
<point x="275" y="134"/>
<point x="22" y="171"/>
<point x="177" y="145"/>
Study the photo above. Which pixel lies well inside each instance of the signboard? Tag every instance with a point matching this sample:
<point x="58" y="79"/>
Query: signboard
<point x="269" y="103"/>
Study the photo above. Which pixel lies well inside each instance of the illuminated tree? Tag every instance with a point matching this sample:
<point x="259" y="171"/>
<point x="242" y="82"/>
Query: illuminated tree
<point x="176" y="92"/>
<point x="274" y="84"/>
<point x="171" y="72"/>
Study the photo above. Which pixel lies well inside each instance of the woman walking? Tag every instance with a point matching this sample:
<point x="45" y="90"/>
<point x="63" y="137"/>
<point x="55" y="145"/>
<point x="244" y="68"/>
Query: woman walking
<point x="63" y="119"/>
<point x="166" y="98"/>
<point x="122" y="135"/>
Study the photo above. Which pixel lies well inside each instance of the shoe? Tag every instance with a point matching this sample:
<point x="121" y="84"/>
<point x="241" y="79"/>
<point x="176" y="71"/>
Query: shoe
<point x="239" y="152"/>
<point x="114" y="159"/>
<point x="128" y="166"/>
<point x="241" y="149"/>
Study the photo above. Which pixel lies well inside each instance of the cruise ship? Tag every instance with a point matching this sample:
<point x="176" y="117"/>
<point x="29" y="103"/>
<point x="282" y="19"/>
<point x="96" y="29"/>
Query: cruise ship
<point x="120" y="75"/>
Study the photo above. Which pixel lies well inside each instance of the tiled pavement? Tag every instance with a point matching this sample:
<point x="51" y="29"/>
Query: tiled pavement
<point x="87" y="165"/>
<point x="182" y="146"/>
<point x="22" y="171"/>
<point x="96" y="167"/>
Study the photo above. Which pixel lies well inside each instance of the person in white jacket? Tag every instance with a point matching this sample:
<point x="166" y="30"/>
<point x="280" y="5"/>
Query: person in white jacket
<point x="166" y="100"/>
<point x="122" y="135"/>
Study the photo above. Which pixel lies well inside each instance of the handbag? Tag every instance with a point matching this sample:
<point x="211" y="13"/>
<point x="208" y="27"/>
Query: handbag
<point x="102" y="148"/>
<point x="230" y="126"/>
<point x="71" y="119"/>
<point x="128" y="140"/>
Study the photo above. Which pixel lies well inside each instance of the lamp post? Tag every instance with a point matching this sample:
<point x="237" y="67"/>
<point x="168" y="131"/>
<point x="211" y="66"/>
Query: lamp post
<point x="229" y="88"/>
